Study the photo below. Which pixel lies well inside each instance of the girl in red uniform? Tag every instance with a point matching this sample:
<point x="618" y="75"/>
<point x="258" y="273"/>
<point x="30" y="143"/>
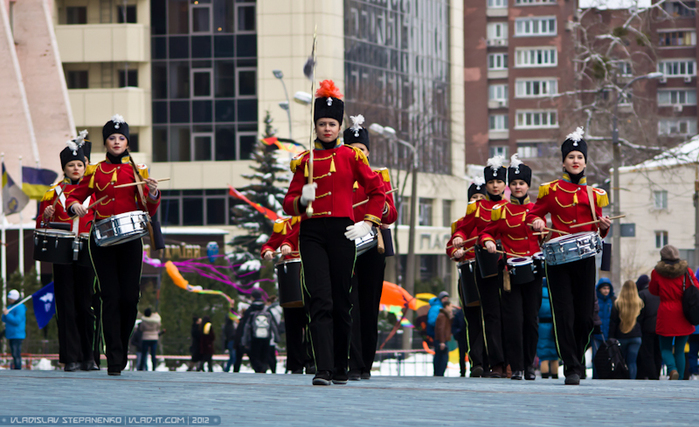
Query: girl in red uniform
<point x="73" y="282"/>
<point x="571" y="285"/>
<point x="520" y="305"/>
<point x="326" y="238"/>
<point x="118" y="267"/>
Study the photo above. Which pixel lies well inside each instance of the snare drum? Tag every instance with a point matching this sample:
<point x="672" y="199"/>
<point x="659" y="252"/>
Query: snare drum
<point x="84" y="251"/>
<point x="521" y="270"/>
<point x="367" y="242"/>
<point x="571" y="248"/>
<point x="289" y="276"/>
<point x="121" y="228"/>
<point x="54" y="246"/>
<point x="539" y="264"/>
<point x="467" y="281"/>
<point x="487" y="262"/>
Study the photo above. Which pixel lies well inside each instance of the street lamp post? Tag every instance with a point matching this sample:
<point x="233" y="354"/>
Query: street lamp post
<point x="284" y="105"/>
<point x="410" y="268"/>
<point x="616" y="208"/>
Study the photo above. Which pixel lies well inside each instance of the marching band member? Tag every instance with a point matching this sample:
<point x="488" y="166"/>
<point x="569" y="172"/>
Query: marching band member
<point x="520" y="304"/>
<point x="367" y="282"/>
<point x="326" y="238"/>
<point x="73" y="283"/>
<point x="285" y="237"/>
<point x="118" y="267"/>
<point x="478" y="217"/>
<point x="472" y="310"/>
<point x="570" y="201"/>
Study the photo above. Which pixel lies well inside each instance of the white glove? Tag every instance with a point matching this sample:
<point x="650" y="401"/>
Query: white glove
<point x="286" y="250"/>
<point x="308" y="193"/>
<point x="357" y="230"/>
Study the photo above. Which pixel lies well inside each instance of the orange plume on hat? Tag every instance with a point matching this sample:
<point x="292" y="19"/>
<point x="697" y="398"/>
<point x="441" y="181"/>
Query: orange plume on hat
<point x="328" y="89"/>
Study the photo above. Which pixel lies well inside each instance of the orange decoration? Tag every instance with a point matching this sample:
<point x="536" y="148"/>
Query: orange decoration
<point x="328" y="89"/>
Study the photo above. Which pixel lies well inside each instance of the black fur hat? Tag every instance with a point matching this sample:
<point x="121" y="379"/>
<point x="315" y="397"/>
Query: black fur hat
<point x="328" y="103"/>
<point x="356" y="134"/>
<point x="116" y="124"/>
<point x="574" y="142"/>
<point x="478" y="186"/>
<point x="518" y="170"/>
<point x="495" y="170"/>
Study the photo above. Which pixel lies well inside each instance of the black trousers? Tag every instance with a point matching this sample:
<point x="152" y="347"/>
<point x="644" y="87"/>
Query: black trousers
<point x="572" y="296"/>
<point x="367" y="286"/>
<point x="649" y="358"/>
<point x="97" y="339"/>
<point x="73" y="285"/>
<point x="295" y="322"/>
<point x="462" y="340"/>
<point x="259" y="354"/>
<point x="118" y="270"/>
<point x="327" y="258"/>
<point x="520" y="312"/>
<point x="476" y="344"/>
<point x="489" y="292"/>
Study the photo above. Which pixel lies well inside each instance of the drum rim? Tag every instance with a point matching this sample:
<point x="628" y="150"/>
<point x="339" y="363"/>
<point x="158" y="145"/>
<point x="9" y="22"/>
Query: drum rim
<point x="287" y="261"/>
<point x="513" y="261"/>
<point x="121" y="215"/>
<point x="467" y="262"/>
<point x="54" y="232"/>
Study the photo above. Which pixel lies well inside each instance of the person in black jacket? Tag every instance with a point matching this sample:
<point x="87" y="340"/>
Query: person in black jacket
<point x="650" y="360"/>
<point x="624" y="325"/>
<point x="257" y="350"/>
<point x="229" y="331"/>
<point x="194" y="349"/>
<point x="458" y="330"/>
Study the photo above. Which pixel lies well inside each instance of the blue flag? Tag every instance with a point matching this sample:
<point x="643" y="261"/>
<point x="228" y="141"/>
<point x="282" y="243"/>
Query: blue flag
<point x="44" y="301"/>
<point x="36" y="182"/>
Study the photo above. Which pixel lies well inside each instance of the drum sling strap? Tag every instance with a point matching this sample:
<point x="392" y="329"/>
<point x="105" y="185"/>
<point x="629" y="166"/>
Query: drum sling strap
<point x="151" y="233"/>
<point x="592" y="203"/>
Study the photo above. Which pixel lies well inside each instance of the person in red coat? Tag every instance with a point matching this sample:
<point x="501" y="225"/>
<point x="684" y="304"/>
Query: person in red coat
<point x="285" y="237"/>
<point x="329" y="229"/>
<point x="478" y="216"/>
<point x="73" y="283"/>
<point x="118" y="266"/>
<point x="521" y="302"/>
<point x="666" y="281"/>
<point x="367" y="282"/>
<point x="571" y="285"/>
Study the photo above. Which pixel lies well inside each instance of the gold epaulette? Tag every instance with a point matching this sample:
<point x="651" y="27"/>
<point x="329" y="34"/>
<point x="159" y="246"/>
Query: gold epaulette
<point x="296" y="161"/>
<point x="90" y="169"/>
<point x="49" y="194"/>
<point x="545" y="188"/>
<point x="294" y="220"/>
<point x="358" y="154"/>
<point x="601" y="198"/>
<point x="471" y="207"/>
<point x="498" y="212"/>
<point x="384" y="174"/>
<point x="143" y="170"/>
<point x="279" y="225"/>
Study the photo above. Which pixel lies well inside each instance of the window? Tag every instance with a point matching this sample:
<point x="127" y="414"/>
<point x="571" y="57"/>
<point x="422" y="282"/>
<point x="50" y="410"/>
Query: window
<point x="133" y="142"/>
<point x="676" y="127"/>
<point x="128" y="78"/>
<point x="677" y="9"/>
<point x="497" y="30"/>
<point x="403" y="210"/>
<point x="625" y="69"/>
<point x="202" y="144"/>
<point x="130" y="14"/>
<point x="77" y="79"/>
<point x="497" y="92"/>
<point x="76" y="15"/>
<point x="535" y="88"/>
<point x="535" y="57"/>
<point x="677" y="97"/>
<point x="446" y="212"/>
<point x="425" y="210"/>
<point x="533" y="2"/>
<point x="497" y="61"/>
<point x="660" y="199"/>
<point x="195" y="207"/>
<point x="678" y="38"/>
<point x="246" y="18"/>
<point x="537" y="119"/>
<point x="535" y="26"/>
<point x="246" y="145"/>
<point x="201" y="19"/>
<point x="202" y="80"/>
<point x="499" y="150"/>
<point x="497" y="4"/>
<point x="528" y="150"/>
<point x="678" y="68"/>
<point x="498" y="122"/>
<point x="661" y="239"/>
<point x="247" y="82"/>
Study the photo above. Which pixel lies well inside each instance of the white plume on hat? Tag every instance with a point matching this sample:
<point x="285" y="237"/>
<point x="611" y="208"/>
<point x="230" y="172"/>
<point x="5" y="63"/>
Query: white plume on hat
<point x="13" y="294"/>
<point x="478" y="181"/>
<point x="515" y="162"/>
<point x="495" y="163"/>
<point x="75" y="144"/>
<point x="576" y="136"/>
<point x="357" y="122"/>
<point x="118" y="119"/>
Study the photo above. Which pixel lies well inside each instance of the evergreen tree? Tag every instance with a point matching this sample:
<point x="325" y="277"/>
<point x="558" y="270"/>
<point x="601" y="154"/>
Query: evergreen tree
<point x="268" y="170"/>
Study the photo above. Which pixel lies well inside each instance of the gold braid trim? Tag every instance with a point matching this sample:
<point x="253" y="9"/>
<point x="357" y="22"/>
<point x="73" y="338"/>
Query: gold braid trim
<point x="323" y="195"/>
<point x="562" y="205"/>
<point x="296" y="161"/>
<point x="358" y="155"/>
<point x="564" y="222"/>
<point x="384" y="174"/>
<point x="320" y="213"/>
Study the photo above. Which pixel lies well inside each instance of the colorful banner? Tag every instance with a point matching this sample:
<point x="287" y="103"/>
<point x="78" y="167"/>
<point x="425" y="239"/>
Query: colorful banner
<point x="36" y="182"/>
<point x="270" y="214"/>
<point x="13" y="198"/>
<point x="284" y="144"/>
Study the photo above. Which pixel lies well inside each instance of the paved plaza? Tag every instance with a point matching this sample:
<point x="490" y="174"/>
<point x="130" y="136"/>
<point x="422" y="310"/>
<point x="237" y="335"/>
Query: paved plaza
<point x="290" y="400"/>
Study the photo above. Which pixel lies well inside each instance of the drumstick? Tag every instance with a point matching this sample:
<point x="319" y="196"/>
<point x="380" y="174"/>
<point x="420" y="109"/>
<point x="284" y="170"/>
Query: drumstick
<point x="91" y="206"/>
<point x="596" y="221"/>
<point x="508" y="254"/>
<point x="553" y="230"/>
<point x="464" y="243"/>
<point x="367" y="200"/>
<point x="131" y="184"/>
<point x="280" y="252"/>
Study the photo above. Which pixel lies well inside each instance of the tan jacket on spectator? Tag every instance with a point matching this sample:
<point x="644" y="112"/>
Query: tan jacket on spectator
<point x="150" y="327"/>
<point x="442" y="329"/>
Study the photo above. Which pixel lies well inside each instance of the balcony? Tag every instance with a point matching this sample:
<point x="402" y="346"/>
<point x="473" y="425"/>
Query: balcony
<point x="497" y="103"/>
<point x="498" y="134"/>
<point x="93" y="107"/>
<point x="495" y="12"/>
<point x="496" y="42"/>
<point x="103" y="43"/>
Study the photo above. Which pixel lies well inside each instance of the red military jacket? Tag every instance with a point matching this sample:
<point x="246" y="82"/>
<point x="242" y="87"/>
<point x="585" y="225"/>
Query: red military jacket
<point x="101" y="182"/>
<point x="390" y="214"/>
<point x="285" y="232"/>
<point x="62" y="190"/>
<point x="335" y="171"/>
<point x="470" y="253"/>
<point x="477" y="218"/>
<point x="568" y="204"/>
<point x="509" y="225"/>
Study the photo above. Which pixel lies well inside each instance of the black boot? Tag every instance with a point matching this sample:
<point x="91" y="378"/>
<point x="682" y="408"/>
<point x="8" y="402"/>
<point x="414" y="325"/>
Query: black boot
<point x="323" y="378"/>
<point x="72" y="367"/>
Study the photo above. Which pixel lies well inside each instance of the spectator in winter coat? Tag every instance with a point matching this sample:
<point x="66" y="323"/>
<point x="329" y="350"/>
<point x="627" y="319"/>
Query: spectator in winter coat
<point x="546" y="347"/>
<point x="458" y="330"/>
<point x="442" y="336"/>
<point x="258" y="350"/>
<point x="649" y="359"/>
<point x="15" y="318"/>
<point x="206" y="345"/>
<point x="436" y="304"/>
<point x="150" y="325"/>
<point x="195" y="347"/>
<point x="229" y="343"/>
<point x="666" y="281"/>
<point x="624" y="325"/>
<point x="605" y="299"/>
<point x="597" y="338"/>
